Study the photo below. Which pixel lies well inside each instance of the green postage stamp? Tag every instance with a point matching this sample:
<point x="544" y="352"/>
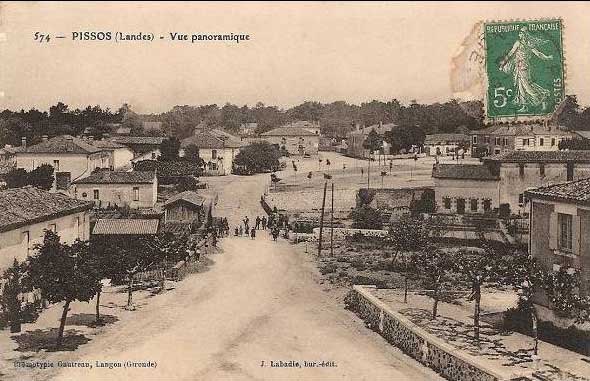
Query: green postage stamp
<point x="524" y="67"/>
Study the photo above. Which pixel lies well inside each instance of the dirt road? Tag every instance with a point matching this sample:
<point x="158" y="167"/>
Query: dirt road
<point x="258" y="303"/>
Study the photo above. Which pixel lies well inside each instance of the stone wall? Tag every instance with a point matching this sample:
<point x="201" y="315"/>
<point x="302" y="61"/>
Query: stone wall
<point x="415" y="342"/>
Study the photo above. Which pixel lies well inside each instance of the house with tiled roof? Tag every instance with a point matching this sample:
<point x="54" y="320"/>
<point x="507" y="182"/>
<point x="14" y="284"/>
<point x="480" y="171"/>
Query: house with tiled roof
<point x="295" y="139"/>
<point x="72" y="158"/>
<point x="140" y="144"/>
<point x="356" y="139"/>
<point x="513" y="173"/>
<point x="108" y="188"/>
<point x="446" y="144"/>
<point x="465" y="188"/>
<point x="560" y="233"/>
<point x="120" y="155"/>
<point x="520" y="137"/>
<point x="27" y="212"/>
<point x="217" y="148"/>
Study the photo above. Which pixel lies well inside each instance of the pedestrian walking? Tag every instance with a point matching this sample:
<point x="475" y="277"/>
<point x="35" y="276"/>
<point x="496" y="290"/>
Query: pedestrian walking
<point x="236" y="231"/>
<point x="263" y="222"/>
<point x="275" y="233"/>
<point x="241" y="231"/>
<point x="248" y="230"/>
<point x="246" y="224"/>
<point x="253" y="233"/>
<point x="257" y="222"/>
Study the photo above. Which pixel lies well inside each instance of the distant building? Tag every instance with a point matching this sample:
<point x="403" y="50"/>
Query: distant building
<point x="357" y="137"/>
<point x="140" y="144"/>
<point x="120" y="156"/>
<point x="531" y="137"/>
<point x="295" y="140"/>
<point x="71" y="158"/>
<point x="8" y="155"/>
<point x="446" y="144"/>
<point x="26" y="214"/>
<point x="217" y="149"/>
<point x="560" y="232"/>
<point x="186" y="207"/>
<point x="465" y="188"/>
<point x="248" y="129"/>
<point x="582" y="134"/>
<point x="110" y="188"/>
<point x="507" y="177"/>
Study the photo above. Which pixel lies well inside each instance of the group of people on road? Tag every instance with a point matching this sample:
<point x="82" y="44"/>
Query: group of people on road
<point x="275" y="222"/>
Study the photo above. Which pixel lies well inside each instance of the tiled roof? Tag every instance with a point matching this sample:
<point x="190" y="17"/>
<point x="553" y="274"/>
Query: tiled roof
<point x="24" y="206"/>
<point x="169" y="168"/>
<point x="288" y="131"/>
<point x="63" y="144"/>
<point x="540" y="156"/>
<point x="522" y="130"/>
<point x="463" y="172"/>
<point x="574" y="191"/>
<point x="125" y="227"/>
<point x="583" y="134"/>
<point x="208" y="140"/>
<point x="116" y="177"/>
<point x="178" y="228"/>
<point x="445" y="138"/>
<point x="105" y="144"/>
<point x="147" y="140"/>
<point x="188" y="196"/>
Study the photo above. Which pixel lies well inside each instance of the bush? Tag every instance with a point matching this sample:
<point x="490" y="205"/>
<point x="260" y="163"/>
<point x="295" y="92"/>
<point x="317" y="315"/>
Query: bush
<point x="328" y="268"/>
<point x="365" y="217"/>
<point x="258" y="157"/>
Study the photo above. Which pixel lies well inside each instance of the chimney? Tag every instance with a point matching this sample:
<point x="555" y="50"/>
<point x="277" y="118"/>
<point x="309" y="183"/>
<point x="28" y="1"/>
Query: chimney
<point x="69" y="143"/>
<point x="23" y="141"/>
<point x="44" y="138"/>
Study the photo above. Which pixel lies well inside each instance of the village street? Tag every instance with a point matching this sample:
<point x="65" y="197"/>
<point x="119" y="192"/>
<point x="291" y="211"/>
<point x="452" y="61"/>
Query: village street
<point x="258" y="303"/>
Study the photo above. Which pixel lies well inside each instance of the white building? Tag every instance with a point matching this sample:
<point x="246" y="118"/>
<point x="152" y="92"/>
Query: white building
<point x="26" y="214"/>
<point x="218" y="152"/>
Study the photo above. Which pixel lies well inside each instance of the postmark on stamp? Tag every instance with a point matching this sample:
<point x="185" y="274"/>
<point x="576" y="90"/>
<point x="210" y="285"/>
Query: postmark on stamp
<point x="524" y="68"/>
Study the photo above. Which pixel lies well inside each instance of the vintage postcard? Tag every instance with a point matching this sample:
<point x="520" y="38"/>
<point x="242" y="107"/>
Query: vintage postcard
<point x="294" y="191"/>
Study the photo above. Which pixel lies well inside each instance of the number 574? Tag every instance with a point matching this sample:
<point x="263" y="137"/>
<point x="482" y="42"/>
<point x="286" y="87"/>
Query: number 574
<point x="501" y="95"/>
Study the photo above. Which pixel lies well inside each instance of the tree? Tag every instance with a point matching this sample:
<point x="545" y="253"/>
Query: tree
<point x="169" y="149"/>
<point x="478" y="267"/>
<point x="60" y="272"/>
<point x="17" y="178"/>
<point x="130" y="257"/>
<point x="10" y="302"/>
<point x="434" y="265"/>
<point x="258" y="157"/>
<point x="527" y="277"/>
<point x="41" y="177"/>
<point x="191" y="153"/>
<point x="366" y="217"/>
<point x="373" y="142"/>
<point x="407" y="235"/>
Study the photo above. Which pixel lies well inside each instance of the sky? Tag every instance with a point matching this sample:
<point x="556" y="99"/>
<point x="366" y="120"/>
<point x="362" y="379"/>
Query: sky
<point x="318" y="51"/>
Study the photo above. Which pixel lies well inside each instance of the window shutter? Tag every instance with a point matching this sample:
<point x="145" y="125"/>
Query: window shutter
<point x="576" y="235"/>
<point x="553" y="231"/>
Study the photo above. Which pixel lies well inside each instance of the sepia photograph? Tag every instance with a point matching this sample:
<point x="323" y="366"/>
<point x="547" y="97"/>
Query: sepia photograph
<point x="322" y="190"/>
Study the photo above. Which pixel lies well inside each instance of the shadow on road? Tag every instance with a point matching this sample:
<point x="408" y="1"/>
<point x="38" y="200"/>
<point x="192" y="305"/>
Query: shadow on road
<point x="37" y="340"/>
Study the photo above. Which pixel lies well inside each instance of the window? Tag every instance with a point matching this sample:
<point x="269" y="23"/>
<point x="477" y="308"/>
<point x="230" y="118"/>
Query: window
<point x="447" y="202"/>
<point x="565" y="231"/>
<point x="570" y="171"/>
<point x="213" y="154"/>
<point x="542" y="169"/>
<point x="474" y="139"/>
<point x="525" y="142"/>
<point x="521" y="170"/>
<point x="487" y="205"/>
<point x="135" y="193"/>
<point x="497" y="141"/>
<point x="473" y="204"/>
<point x="56" y="165"/>
<point x="552" y="142"/>
<point x="505" y="141"/>
<point x="541" y="141"/>
<point x="96" y="194"/>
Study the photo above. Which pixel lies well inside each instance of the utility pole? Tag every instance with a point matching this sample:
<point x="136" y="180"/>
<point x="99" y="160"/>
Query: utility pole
<point x="322" y="220"/>
<point x="332" y="224"/>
